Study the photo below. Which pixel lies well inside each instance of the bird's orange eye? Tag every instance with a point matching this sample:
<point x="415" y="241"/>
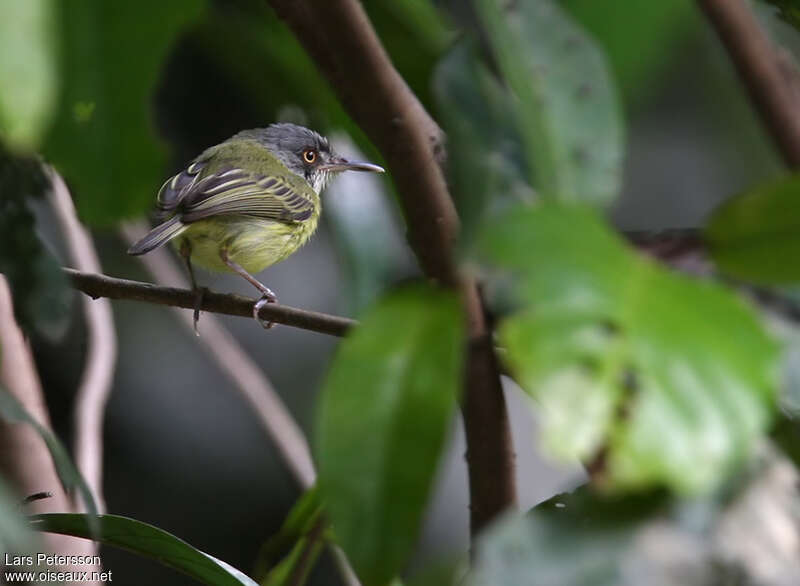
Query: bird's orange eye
<point x="309" y="156"/>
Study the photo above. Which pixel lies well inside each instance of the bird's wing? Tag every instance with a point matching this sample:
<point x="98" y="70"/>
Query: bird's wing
<point x="194" y="195"/>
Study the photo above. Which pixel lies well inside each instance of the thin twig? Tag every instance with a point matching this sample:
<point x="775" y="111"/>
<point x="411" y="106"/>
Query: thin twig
<point x="237" y="365"/>
<point x="101" y="351"/>
<point x="338" y="36"/>
<point x="97" y="286"/>
<point x="762" y="71"/>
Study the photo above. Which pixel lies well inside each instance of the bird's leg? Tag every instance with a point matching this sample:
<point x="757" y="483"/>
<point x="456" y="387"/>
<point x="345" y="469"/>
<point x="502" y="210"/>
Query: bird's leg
<point x="186" y="253"/>
<point x="267" y="296"/>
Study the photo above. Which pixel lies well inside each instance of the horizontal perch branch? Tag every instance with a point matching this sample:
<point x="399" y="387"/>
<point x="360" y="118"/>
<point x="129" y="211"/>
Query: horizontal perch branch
<point x="102" y="286"/>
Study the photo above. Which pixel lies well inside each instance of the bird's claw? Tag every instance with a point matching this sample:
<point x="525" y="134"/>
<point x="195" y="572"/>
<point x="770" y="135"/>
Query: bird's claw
<point x="267" y="297"/>
<point x="198" y="303"/>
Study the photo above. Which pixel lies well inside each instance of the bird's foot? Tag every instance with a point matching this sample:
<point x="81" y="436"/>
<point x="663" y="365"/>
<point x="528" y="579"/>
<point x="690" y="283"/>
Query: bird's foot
<point x="266" y="297"/>
<point x="199" y="292"/>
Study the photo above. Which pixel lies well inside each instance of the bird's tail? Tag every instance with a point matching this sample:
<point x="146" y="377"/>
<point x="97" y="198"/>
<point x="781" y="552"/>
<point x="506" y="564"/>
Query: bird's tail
<point x="158" y="236"/>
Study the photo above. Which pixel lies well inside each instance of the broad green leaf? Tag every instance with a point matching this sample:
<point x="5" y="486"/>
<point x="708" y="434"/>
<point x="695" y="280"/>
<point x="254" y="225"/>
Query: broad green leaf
<point x="13" y="412"/>
<point x="103" y="140"/>
<point x="41" y="294"/>
<point x="622" y="353"/>
<point x="385" y="409"/>
<point x="147" y="541"/>
<point x="485" y="158"/>
<point x="756" y="236"/>
<point x="742" y="535"/>
<point x="567" y="107"/>
<point x="28" y="78"/>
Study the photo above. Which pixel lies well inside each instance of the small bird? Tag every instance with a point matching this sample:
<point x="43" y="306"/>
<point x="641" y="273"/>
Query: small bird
<point x="247" y="203"/>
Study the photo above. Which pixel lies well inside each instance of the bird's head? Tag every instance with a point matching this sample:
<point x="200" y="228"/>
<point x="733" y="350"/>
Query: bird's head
<point x="306" y="153"/>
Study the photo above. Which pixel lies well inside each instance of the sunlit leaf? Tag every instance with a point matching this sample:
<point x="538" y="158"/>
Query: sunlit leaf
<point x="147" y="541"/>
<point x="385" y="408"/>
<point x="103" y="140"/>
<point x="669" y="380"/>
<point x="567" y="107"/>
<point x="12" y="411"/>
<point x="28" y="78"/>
<point x="756" y="236"/>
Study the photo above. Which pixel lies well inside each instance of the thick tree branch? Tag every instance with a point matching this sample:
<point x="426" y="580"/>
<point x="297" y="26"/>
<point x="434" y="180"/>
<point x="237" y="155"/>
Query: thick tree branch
<point x="97" y="286"/>
<point x="762" y="70"/>
<point x="338" y="36"/>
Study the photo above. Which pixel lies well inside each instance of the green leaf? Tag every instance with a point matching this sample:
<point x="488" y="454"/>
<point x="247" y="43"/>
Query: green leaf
<point x="298" y="523"/>
<point x="28" y="79"/>
<point x="103" y="141"/>
<point x="789" y="11"/>
<point x="13" y="412"/>
<point x="756" y="236"/>
<point x="622" y="353"/>
<point x="567" y="107"/>
<point x="42" y="297"/>
<point x="147" y="541"/>
<point x="385" y="409"/>
<point x="485" y="158"/>
<point x="639" y="38"/>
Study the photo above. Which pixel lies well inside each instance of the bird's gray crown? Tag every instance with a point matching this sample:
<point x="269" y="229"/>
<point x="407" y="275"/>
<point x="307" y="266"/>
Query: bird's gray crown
<point x="287" y="137"/>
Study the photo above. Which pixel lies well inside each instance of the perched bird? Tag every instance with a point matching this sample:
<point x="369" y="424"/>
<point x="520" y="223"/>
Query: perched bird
<point x="247" y="203"/>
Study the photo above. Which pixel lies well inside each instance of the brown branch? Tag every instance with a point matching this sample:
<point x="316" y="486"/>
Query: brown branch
<point x="338" y="36"/>
<point x="97" y="286"/>
<point x="762" y="71"/>
<point x="101" y="351"/>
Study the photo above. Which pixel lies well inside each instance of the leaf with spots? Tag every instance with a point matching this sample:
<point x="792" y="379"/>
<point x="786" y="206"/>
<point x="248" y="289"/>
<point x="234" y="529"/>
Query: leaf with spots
<point x="566" y="103"/>
<point x="663" y="379"/>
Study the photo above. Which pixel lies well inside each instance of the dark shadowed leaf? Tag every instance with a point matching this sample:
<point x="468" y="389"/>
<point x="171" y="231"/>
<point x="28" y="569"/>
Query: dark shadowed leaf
<point x="789" y="11"/>
<point x="103" y="141"/>
<point x="28" y="76"/>
<point x="756" y="236"/>
<point x="13" y="412"/>
<point x="147" y="541"/>
<point x="621" y="354"/>
<point x="566" y="107"/>
<point x="290" y="539"/>
<point x="485" y="158"/>
<point x="385" y="409"/>
<point x="38" y="285"/>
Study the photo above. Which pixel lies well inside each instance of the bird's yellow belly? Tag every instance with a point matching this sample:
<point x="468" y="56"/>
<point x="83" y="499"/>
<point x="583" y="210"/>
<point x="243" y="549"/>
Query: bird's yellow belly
<point x="252" y="243"/>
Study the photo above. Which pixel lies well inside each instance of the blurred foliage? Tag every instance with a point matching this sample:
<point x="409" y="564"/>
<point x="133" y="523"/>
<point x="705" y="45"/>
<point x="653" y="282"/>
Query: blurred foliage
<point x="639" y="39"/>
<point x="756" y="235"/>
<point x="789" y="11"/>
<point x="102" y="140"/>
<point x="485" y="162"/>
<point x="384" y="411"/>
<point x="13" y="412"/>
<point x="39" y="288"/>
<point x="28" y="73"/>
<point x="621" y="353"/>
<point x="15" y="535"/>
<point x="144" y="540"/>
<point x="745" y="535"/>
<point x="566" y="105"/>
